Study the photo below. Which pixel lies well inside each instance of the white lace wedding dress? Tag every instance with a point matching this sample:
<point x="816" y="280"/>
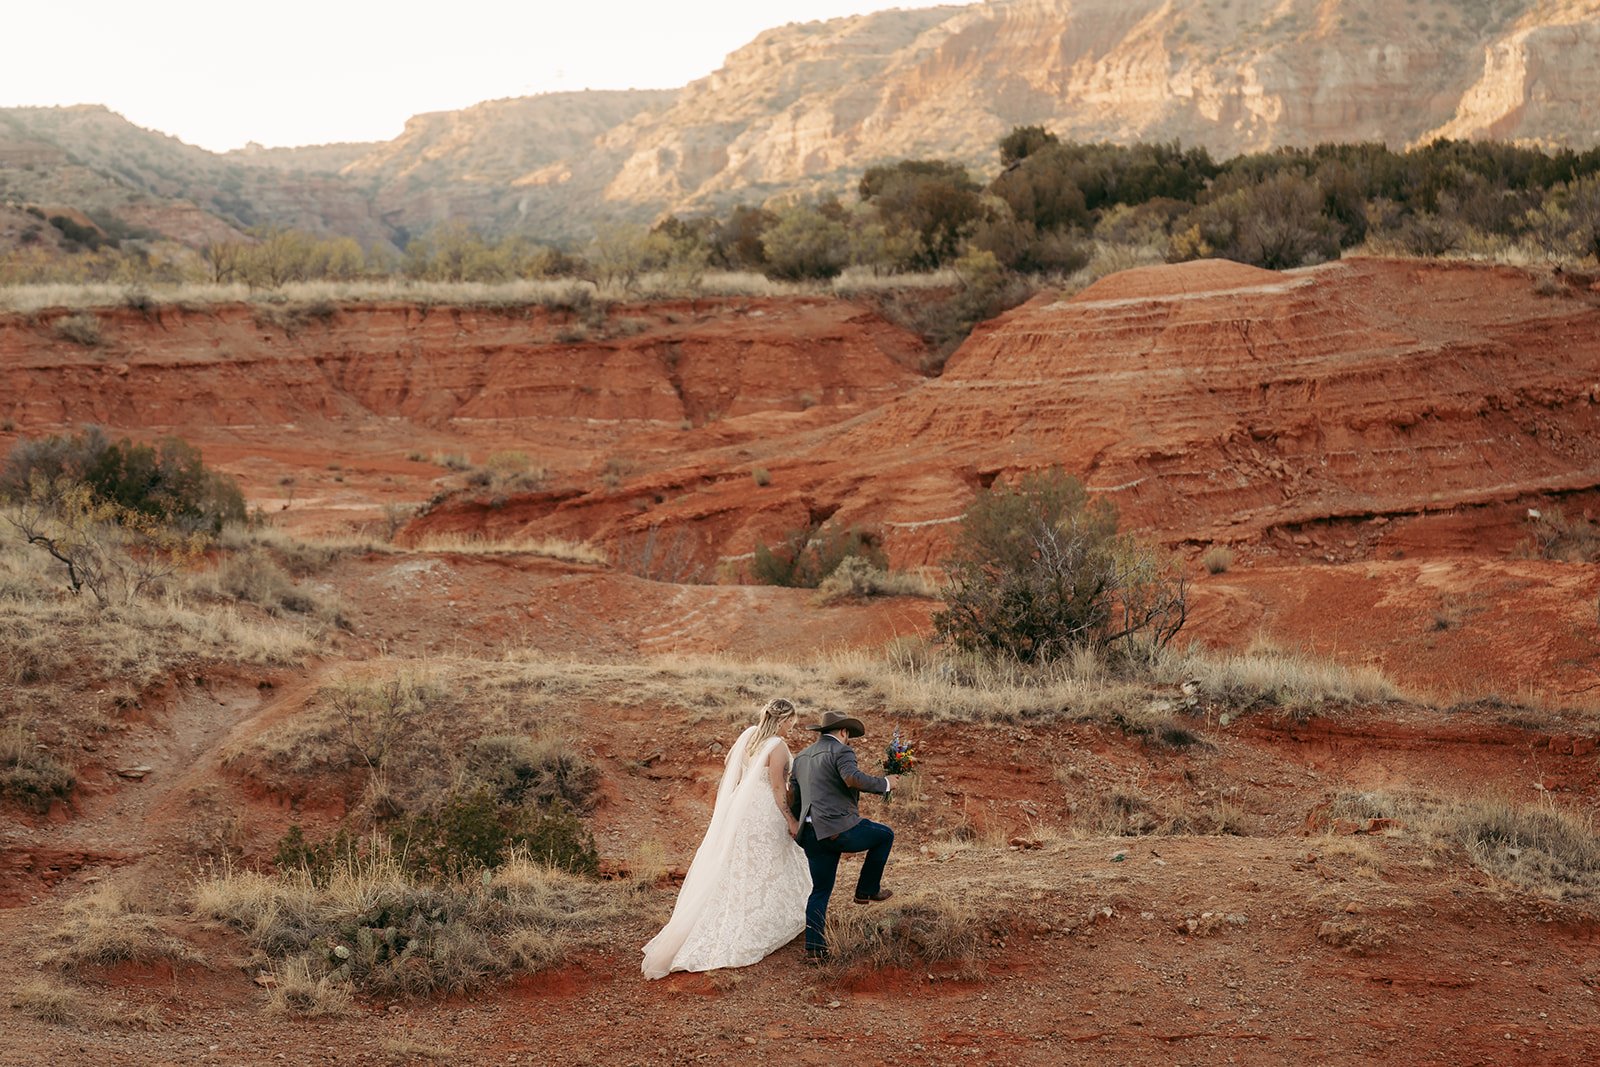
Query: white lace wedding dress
<point x="745" y="894"/>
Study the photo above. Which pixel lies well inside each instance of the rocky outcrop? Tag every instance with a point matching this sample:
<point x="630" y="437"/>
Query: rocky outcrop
<point x="1538" y="84"/>
<point x="809" y="107"/>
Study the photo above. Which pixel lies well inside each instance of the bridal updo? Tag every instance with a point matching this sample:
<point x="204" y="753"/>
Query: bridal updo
<point x="775" y="715"/>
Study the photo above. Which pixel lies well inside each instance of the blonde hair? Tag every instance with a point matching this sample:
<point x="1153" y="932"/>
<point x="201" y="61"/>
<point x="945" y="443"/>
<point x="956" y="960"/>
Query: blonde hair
<point x="774" y="714"/>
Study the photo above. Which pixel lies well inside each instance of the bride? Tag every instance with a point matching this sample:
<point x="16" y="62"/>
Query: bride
<point x="745" y="893"/>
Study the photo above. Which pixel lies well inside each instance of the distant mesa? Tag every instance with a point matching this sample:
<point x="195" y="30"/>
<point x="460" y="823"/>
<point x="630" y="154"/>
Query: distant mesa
<point x="805" y="108"/>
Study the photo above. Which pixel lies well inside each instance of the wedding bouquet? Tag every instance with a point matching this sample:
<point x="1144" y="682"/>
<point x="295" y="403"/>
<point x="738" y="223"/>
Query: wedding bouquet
<point x="899" y="757"/>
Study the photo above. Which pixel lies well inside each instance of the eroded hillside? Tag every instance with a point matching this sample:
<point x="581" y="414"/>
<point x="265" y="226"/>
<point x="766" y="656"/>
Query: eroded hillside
<point x="1366" y="438"/>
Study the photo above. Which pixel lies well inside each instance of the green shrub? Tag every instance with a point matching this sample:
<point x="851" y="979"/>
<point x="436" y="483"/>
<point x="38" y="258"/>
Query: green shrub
<point x="522" y="770"/>
<point x="463" y="835"/>
<point x="809" y="554"/>
<point x="467" y="832"/>
<point x="1039" y="570"/>
<point x="255" y="578"/>
<point x="555" y="836"/>
<point x="166" y="481"/>
<point x="806" y="241"/>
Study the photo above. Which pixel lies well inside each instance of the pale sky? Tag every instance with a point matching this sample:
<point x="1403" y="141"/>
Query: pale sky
<point x="219" y="73"/>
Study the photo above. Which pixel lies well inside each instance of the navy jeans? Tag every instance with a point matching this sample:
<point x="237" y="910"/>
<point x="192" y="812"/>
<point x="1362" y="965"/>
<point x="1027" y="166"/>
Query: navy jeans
<point x="873" y="838"/>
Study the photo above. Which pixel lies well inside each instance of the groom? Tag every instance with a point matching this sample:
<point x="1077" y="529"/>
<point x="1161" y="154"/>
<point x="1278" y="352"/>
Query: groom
<point x="824" y="785"/>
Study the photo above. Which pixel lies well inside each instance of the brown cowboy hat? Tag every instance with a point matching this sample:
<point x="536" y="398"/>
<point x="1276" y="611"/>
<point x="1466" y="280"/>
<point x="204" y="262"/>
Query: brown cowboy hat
<point x="832" y="720"/>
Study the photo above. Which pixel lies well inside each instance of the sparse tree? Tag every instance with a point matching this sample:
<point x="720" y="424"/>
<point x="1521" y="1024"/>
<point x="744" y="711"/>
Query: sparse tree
<point x="278" y="257"/>
<point x="935" y="201"/>
<point x="223" y="259"/>
<point x="1581" y="201"/>
<point x="1039" y="569"/>
<point x="620" y="253"/>
<point x="806" y="242"/>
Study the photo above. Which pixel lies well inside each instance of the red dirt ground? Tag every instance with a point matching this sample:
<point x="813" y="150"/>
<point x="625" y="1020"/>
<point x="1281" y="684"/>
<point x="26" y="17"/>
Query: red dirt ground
<point x="1367" y="437"/>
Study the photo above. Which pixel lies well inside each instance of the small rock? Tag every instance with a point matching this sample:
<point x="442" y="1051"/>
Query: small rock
<point x="833" y="1003"/>
<point x="266" y="981"/>
<point x="135" y="773"/>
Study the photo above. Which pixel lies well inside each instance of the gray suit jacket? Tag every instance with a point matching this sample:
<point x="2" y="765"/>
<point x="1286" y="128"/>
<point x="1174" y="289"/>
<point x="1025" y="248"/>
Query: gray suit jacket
<point x="826" y="783"/>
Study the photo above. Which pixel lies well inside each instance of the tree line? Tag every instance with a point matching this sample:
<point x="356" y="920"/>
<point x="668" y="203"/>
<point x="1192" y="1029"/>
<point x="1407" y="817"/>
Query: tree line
<point x="1051" y="205"/>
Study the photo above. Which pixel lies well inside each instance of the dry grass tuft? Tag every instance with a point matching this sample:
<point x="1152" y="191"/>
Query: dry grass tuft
<point x="548" y="547"/>
<point x="856" y="577"/>
<point x="372" y="925"/>
<point x="80" y="329"/>
<point x="914" y="680"/>
<point x="926" y="926"/>
<point x="863" y="281"/>
<point x="406" y="1050"/>
<point x="461" y="726"/>
<point x="57" y="1004"/>
<point x="299" y="301"/>
<point x="137" y="644"/>
<point x="47" y="634"/>
<point x="253" y="577"/>
<point x="1266" y="676"/>
<point x="104" y="927"/>
<point x="1217" y="559"/>
<point x="1551" y="535"/>
<point x="1540" y="848"/>
<point x="51" y="1002"/>
<point x="300" y="555"/>
<point x="299" y="994"/>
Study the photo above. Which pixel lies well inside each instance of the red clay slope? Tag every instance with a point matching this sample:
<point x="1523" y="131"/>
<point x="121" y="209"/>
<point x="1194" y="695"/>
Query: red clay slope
<point x="1212" y="401"/>
<point x="278" y="393"/>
